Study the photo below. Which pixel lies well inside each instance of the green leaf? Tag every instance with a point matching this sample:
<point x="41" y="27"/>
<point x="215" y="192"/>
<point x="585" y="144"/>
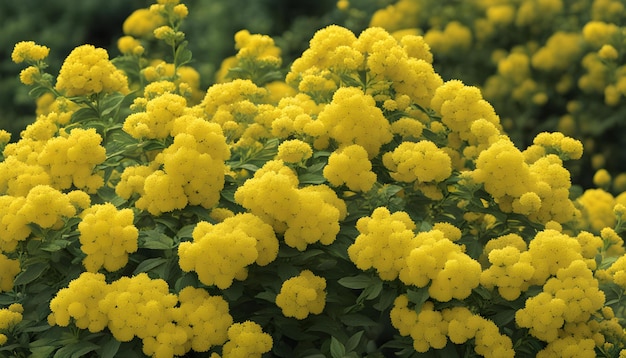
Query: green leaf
<point x="186" y="231"/>
<point x="55" y="245"/>
<point x="182" y="56"/>
<point x="76" y="350"/>
<point x="42" y="352"/>
<point x="357" y="320"/>
<point x="337" y="349"/>
<point x="150" y="264"/>
<point x="153" y="239"/>
<point x="110" y="348"/>
<point x="353" y="342"/>
<point x="84" y="114"/>
<point x="31" y="273"/>
<point x="418" y="297"/>
<point x="267" y="296"/>
<point x="111" y="103"/>
<point x="356" y="282"/>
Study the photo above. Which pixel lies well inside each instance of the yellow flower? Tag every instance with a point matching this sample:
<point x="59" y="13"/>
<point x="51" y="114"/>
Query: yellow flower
<point x="246" y="339"/>
<point x="422" y="161"/>
<point x="29" y="51"/>
<point x="107" y="236"/>
<point x="29" y="75"/>
<point x="87" y="70"/>
<point x="302" y="295"/>
<point x="350" y="166"/>
<point x="294" y="151"/>
<point x="8" y="270"/>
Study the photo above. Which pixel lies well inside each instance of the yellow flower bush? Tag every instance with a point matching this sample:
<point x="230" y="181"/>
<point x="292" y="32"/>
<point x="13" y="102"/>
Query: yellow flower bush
<point x="349" y="202"/>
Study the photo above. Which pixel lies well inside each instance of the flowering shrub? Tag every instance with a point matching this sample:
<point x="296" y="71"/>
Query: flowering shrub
<point x="359" y="205"/>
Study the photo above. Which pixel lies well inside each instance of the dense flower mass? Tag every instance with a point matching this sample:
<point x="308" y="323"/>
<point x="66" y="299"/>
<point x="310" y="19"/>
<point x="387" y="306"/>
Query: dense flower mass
<point x="107" y="236"/>
<point x="302" y="295"/>
<point x="87" y="70"/>
<point x="316" y="209"/>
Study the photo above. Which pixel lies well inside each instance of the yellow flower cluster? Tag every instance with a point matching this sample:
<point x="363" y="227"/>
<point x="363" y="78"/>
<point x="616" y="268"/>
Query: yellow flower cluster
<point x="70" y="159"/>
<point x="418" y="162"/>
<point x="9" y="317"/>
<point x="142" y="22"/>
<point x="572" y="296"/>
<point x="220" y="253"/>
<point x="472" y="121"/>
<point x="87" y="71"/>
<point x="463" y="325"/>
<point x="434" y="259"/>
<point x="427" y="327"/>
<point x="158" y="118"/>
<point x="350" y="165"/>
<point x="430" y="328"/>
<point x="302" y="295"/>
<point x="560" y="52"/>
<point x="510" y="271"/>
<point x="142" y="307"/>
<point x="29" y="51"/>
<point x="258" y="49"/>
<point x="305" y="216"/>
<point x="246" y="339"/>
<point x="454" y="37"/>
<point x="8" y="270"/>
<point x="107" y="236"/>
<point x="539" y="190"/>
<point x="390" y="65"/>
<point x="193" y="168"/>
<point x="353" y="118"/>
<point x="596" y="207"/>
<point x="294" y="151"/>
<point x="383" y="243"/>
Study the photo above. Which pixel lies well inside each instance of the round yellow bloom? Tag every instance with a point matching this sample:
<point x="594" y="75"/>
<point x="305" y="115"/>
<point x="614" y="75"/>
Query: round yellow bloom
<point x="302" y="295"/>
<point x="246" y="339"/>
<point x="8" y="270"/>
<point x="107" y="236"/>
<point x="87" y="70"/>
<point x="350" y="166"/>
<point x="294" y="151"/>
<point x="422" y="161"/>
<point x="29" y="51"/>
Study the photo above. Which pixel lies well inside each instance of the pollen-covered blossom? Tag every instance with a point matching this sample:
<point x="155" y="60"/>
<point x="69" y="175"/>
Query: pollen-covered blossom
<point x="9" y="268"/>
<point x="422" y="162"/>
<point x="13" y="226"/>
<point x="80" y="302"/>
<point x="246" y="339"/>
<point x="70" y="159"/>
<point x="350" y="166"/>
<point x="204" y="318"/>
<point x="550" y="251"/>
<point x="391" y="67"/>
<point x="427" y="328"/>
<point x="460" y="106"/>
<point x="463" y="325"/>
<point x="436" y="260"/>
<point x="29" y="51"/>
<point x="506" y="175"/>
<point x="305" y="216"/>
<point x="509" y="271"/>
<point x="557" y="143"/>
<point x="259" y="49"/>
<point x="221" y="253"/>
<point x="107" y="236"/>
<point x="383" y="243"/>
<point x="596" y="207"/>
<point x="353" y="118"/>
<point x="572" y="296"/>
<point x="46" y="207"/>
<point x="9" y="317"/>
<point x="87" y="70"/>
<point x="157" y="120"/>
<point x="454" y="37"/>
<point x="294" y="151"/>
<point x="142" y="22"/>
<point x="302" y="295"/>
<point x="560" y="52"/>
